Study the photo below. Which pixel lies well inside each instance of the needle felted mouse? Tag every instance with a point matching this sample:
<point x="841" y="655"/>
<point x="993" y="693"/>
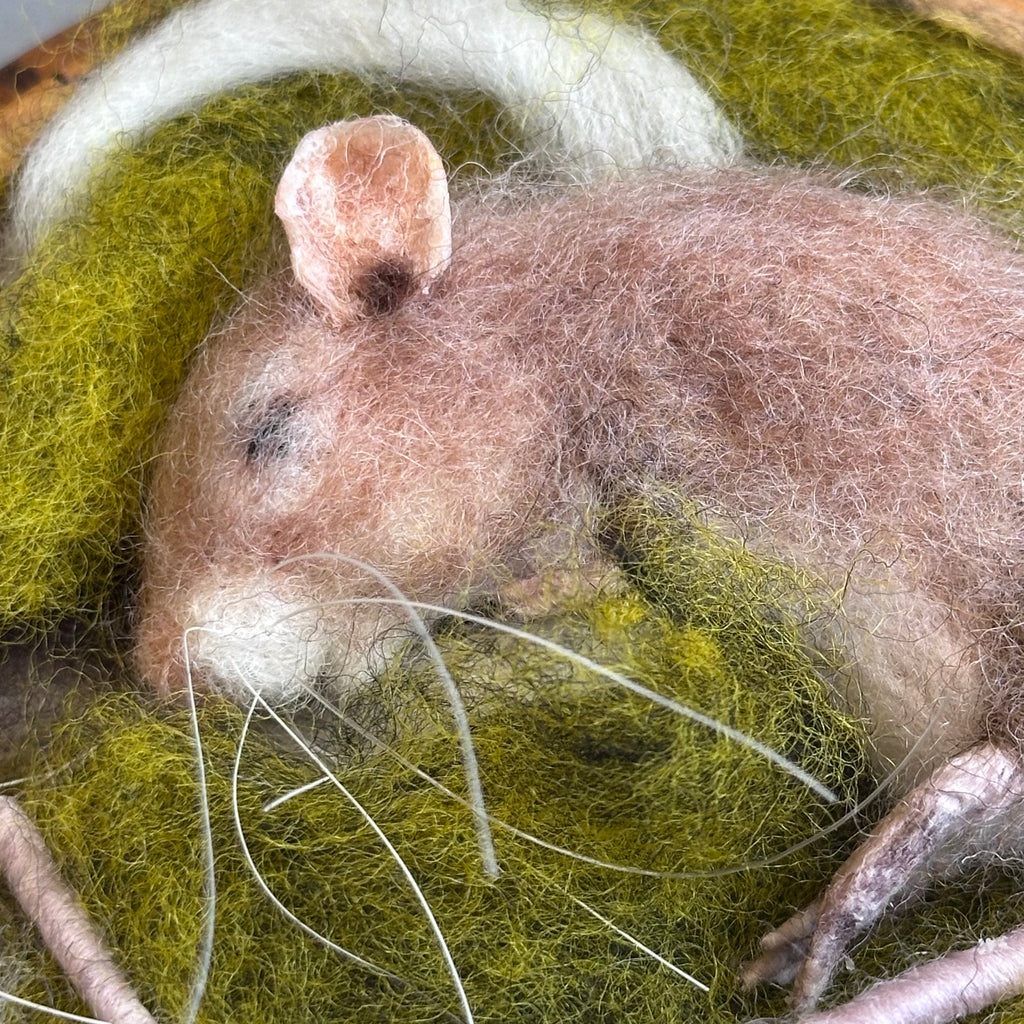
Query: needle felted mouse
<point x="431" y="404"/>
<point x="524" y="563"/>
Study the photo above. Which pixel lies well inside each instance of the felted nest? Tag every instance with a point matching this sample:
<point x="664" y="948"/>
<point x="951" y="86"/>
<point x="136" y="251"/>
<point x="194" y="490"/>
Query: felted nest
<point x="99" y="326"/>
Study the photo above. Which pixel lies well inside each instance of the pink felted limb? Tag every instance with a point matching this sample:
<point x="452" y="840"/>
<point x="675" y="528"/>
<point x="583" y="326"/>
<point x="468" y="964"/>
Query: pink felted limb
<point x="782" y="950"/>
<point x="964" y="807"/>
<point x="940" y="990"/>
<point x="66" y="929"/>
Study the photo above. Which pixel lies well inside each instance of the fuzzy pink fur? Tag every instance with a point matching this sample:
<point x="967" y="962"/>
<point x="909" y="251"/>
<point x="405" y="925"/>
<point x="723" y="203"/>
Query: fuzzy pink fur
<point x="836" y="379"/>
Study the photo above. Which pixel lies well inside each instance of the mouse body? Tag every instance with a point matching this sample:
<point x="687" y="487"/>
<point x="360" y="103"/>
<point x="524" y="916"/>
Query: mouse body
<point x="836" y="379"/>
<point x="821" y="371"/>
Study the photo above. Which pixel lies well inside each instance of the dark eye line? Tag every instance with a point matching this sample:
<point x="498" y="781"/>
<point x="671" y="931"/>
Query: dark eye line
<point x="271" y="437"/>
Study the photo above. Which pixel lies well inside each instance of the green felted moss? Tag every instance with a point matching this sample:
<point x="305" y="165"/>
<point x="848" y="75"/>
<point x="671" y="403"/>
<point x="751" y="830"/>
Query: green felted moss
<point x="564" y="756"/>
<point x="899" y="102"/>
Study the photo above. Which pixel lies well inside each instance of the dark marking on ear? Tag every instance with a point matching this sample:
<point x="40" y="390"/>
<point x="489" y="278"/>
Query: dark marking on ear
<point x="270" y="438"/>
<point x="383" y="287"/>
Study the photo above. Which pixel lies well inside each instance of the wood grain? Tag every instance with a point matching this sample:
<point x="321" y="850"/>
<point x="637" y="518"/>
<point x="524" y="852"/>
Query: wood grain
<point x="36" y="85"/>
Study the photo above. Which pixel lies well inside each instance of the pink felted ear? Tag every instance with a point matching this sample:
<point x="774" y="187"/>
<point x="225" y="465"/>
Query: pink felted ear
<point x="365" y="206"/>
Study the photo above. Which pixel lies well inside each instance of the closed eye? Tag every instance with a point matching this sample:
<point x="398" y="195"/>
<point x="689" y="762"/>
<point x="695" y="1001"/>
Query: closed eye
<point x="272" y="435"/>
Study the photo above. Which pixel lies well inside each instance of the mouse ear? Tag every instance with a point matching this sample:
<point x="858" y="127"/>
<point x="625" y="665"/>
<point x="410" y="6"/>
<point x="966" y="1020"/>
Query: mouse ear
<point x="365" y="206"/>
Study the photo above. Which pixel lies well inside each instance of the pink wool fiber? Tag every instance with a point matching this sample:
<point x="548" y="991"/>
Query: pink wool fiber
<point x="835" y="378"/>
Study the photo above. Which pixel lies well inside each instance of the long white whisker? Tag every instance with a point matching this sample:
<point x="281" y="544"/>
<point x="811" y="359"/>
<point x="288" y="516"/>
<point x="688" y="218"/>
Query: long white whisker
<point x="261" y="881"/>
<point x="272" y="805"/>
<point x="470" y="766"/>
<point x="10" y="997"/>
<point x="621" y="680"/>
<point x="634" y="941"/>
<point x="519" y="833"/>
<point x="205" y="951"/>
<point x="382" y="837"/>
<point x="544" y="844"/>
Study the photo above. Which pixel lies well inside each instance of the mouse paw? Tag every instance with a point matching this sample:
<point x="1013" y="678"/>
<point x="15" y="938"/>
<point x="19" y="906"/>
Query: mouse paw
<point x="938" y="991"/>
<point x="782" y="950"/>
<point x="962" y="809"/>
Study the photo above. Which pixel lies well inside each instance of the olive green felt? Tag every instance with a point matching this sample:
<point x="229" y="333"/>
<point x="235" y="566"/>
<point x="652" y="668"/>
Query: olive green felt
<point x="616" y="782"/>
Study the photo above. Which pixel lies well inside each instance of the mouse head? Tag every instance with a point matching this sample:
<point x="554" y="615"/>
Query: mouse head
<point x="331" y="435"/>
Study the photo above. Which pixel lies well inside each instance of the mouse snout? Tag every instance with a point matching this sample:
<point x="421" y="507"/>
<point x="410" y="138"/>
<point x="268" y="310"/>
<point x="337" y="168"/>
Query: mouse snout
<point x="255" y="641"/>
<point x="274" y="636"/>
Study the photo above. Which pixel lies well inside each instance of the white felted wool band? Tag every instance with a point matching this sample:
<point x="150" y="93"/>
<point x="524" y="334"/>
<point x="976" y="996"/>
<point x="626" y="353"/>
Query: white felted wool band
<point x="257" y="641"/>
<point x="594" y="96"/>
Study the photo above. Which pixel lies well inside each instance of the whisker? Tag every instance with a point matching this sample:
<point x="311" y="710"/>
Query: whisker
<point x="382" y="837"/>
<point x="278" y="801"/>
<point x="514" y="830"/>
<point x="470" y="765"/>
<point x="619" y="679"/>
<point x="10" y="997"/>
<point x="261" y="881"/>
<point x="544" y="844"/>
<point x="634" y="941"/>
<point x="205" y="950"/>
